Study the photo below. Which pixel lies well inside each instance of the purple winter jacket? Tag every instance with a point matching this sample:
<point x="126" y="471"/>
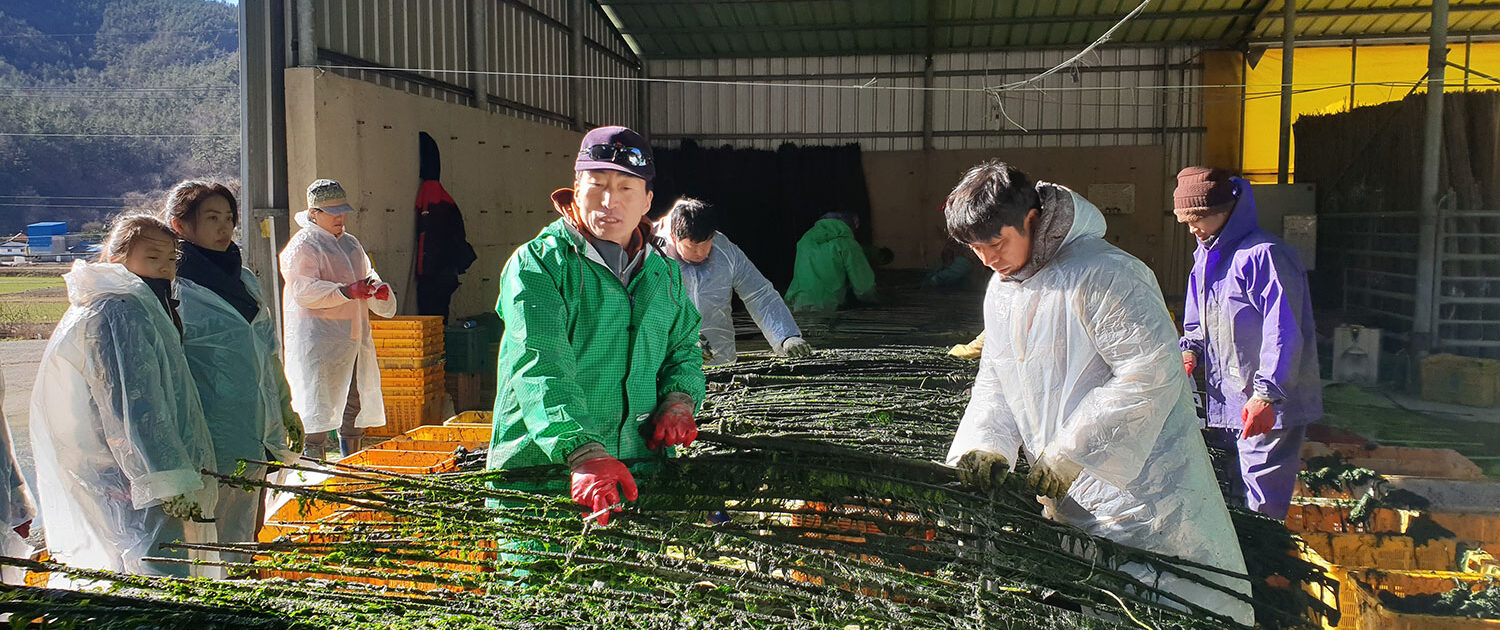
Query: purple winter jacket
<point x="1252" y="329"/>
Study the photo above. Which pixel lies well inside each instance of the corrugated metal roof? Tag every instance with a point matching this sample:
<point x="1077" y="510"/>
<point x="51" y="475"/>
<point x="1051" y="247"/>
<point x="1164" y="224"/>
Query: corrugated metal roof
<point x="778" y="28"/>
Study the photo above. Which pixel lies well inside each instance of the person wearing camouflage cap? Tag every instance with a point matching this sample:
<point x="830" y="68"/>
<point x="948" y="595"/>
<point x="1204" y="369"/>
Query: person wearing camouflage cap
<point x="330" y="291"/>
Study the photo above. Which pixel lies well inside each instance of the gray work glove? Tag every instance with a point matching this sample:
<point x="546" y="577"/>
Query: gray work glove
<point x="796" y="348"/>
<point x="982" y="470"/>
<point x="1052" y="476"/>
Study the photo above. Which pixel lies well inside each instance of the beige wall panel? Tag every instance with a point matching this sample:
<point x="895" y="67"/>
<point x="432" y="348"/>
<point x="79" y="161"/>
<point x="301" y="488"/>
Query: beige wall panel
<point x="907" y="186"/>
<point x="498" y="168"/>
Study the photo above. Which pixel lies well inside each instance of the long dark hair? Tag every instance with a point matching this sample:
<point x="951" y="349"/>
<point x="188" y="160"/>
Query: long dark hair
<point x="184" y="199"/>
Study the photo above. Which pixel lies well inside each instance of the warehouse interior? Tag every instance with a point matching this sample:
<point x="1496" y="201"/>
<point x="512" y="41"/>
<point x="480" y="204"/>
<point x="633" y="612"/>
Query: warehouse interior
<point x="817" y="495"/>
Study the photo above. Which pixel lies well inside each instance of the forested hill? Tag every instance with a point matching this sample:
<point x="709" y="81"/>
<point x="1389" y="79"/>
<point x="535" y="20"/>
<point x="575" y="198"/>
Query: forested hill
<point x="105" y="104"/>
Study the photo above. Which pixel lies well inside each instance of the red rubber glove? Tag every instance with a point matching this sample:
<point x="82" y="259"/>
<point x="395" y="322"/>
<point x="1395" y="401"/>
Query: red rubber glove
<point x="594" y="485"/>
<point x="382" y="292"/>
<point x="1258" y="416"/>
<point x="1189" y="362"/>
<point x="672" y="423"/>
<point x="359" y="290"/>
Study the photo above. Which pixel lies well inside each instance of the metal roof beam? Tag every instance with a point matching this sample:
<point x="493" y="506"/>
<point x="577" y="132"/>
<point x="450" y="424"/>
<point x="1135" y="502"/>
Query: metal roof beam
<point x="1377" y="11"/>
<point x="1415" y="37"/>
<point x="906" y="25"/>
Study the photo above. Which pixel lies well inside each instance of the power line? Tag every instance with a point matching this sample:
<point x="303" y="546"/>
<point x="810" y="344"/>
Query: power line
<point x="115" y="90"/>
<point x="118" y="135"/>
<point x="112" y="97"/>
<point x="69" y="206"/>
<point x="58" y="197"/>
<point x="112" y="33"/>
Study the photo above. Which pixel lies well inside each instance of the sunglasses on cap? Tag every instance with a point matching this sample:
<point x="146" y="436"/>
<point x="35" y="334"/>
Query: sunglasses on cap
<point x="617" y="154"/>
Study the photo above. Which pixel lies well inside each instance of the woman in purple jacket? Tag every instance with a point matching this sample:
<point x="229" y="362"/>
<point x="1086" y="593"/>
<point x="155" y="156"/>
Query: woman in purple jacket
<point x="1249" y="322"/>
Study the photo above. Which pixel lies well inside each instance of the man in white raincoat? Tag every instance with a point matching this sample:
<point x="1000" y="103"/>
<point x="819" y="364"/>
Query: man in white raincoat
<point x="117" y="433"/>
<point x="1080" y="368"/>
<point x="331" y="289"/>
<point x="714" y="269"/>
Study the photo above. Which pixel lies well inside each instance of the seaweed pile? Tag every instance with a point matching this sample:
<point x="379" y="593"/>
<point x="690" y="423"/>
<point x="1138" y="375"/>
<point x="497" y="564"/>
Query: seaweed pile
<point x="902" y="401"/>
<point x="806" y="535"/>
<point x="1334" y="472"/>
<point x="812" y="500"/>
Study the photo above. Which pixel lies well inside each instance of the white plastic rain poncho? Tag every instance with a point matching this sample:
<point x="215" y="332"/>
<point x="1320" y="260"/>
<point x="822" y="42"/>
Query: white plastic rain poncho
<point x="325" y="331"/>
<point x="243" y="391"/>
<point x="116" y="428"/>
<point x="16" y="508"/>
<point x="1080" y="361"/>
<point x="712" y="285"/>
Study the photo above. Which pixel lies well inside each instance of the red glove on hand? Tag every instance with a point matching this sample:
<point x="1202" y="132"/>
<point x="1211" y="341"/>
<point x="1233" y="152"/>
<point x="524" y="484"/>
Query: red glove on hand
<point x="1258" y="416"/>
<point x="594" y="485"/>
<point x="359" y="290"/>
<point x="382" y="292"/>
<point x="1189" y="362"/>
<point x="671" y="424"/>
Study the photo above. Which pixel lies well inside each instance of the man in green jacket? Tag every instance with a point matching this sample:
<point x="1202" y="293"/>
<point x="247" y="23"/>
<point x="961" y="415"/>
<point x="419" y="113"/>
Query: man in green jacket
<point x="830" y="263"/>
<point x="599" y="361"/>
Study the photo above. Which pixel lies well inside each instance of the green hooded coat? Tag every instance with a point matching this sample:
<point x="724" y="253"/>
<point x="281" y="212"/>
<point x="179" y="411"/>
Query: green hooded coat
<point x="585" y="358"/>
<point x="829" y="263"/>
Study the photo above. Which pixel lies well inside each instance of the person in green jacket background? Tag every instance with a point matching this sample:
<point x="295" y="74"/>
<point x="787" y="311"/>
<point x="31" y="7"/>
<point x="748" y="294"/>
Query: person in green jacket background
<point x="829" y="264"/>
<point x="599" y="362"/>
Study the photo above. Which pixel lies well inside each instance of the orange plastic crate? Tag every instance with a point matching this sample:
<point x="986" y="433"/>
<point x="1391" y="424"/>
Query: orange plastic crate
<point x="410" y="323"/>
<point x="409" y="362"/>
<point x="1369" y="614"/>
<point x="405" y="413"/>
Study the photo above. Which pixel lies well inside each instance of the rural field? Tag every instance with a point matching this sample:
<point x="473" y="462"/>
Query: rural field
<point x="32" y="300"/>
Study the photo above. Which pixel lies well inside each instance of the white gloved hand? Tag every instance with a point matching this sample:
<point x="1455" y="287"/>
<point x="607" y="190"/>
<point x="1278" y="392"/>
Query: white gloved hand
<point x="1051" y="476"/>
<point x="796" y="348"/>
<point x="182" y="507"/>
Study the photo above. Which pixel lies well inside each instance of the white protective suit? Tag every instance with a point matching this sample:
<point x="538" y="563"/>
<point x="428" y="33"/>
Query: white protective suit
<point x="1081" y="361"/>
<point x="243" y="391"/>
<point x="16" y="508"/>
<point x="325" y="331"/>
<point x="116" y="429"/>
<point x="712" y="285"/>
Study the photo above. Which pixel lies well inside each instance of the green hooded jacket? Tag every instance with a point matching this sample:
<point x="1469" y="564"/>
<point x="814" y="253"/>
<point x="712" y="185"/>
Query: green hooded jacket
<point x="829" y="263"/>
<point x="585" y="358"/>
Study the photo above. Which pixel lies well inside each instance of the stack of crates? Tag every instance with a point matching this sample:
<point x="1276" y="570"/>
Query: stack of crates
<point x="412" y="376"/>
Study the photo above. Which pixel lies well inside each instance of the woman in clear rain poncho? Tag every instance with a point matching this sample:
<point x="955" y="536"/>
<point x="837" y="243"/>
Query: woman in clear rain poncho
<point x="1080" y="367"/>
<point x="231" y="343"/>
<point x="331" y="289"/>
<point x="116" y="429"/>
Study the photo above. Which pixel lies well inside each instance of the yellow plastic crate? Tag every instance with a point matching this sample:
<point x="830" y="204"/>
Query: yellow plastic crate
<point x="1342" y="554"/>
<point x="1460" y="380"/>
<point x="401" y="461"/>
<point x="1370" y="614"/>
<point x="409" y="362"/>
<point x="452" y="433"/>
<point x="408" y="323"/>
<point x="405" y="413"/>
<point x="1404" y="461"/>
<point x="413" y="377"/>
<point x="425" y="344"/>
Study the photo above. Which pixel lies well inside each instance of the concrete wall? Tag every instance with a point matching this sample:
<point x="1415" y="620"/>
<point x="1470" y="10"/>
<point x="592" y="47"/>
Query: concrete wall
<point x="498" y="168"/>
<point x="907" y="186"/>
